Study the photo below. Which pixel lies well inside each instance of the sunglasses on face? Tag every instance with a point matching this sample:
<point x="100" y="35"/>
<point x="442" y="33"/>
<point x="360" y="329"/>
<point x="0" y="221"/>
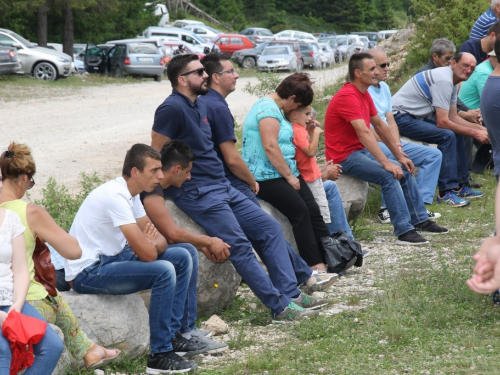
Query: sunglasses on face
<point x="385" y="65"/>
<point x="200" y="72"/>
<point x="32" y="183"/>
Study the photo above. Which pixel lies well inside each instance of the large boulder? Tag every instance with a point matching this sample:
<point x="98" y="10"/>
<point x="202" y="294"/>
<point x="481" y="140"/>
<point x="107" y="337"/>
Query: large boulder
<point x="112" y="321"/>
<point x="217" y="282"/>
<point x="354" y="193"/>
<point x="285" y="224"/>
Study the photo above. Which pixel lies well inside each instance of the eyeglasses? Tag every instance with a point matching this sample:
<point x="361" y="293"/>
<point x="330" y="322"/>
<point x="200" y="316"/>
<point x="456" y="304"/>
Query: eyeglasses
<point x="230" y="71"/>
<point x="385" y="65"/>
<point x="32" y="183"/>
<point x="200" y="72"/>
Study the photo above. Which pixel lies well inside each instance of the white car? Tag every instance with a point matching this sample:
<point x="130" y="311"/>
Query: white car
<point x="39" y="62"/>
<point x="328" y="57"/>
<point x="301" y="36"/>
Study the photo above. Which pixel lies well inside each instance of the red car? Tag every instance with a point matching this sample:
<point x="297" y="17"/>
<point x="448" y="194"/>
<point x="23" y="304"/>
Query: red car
<point x="229" y="43"/>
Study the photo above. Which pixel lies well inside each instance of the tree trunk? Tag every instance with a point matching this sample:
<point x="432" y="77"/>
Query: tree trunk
<point x="42" y="25"/>
<point x="67" y="14"/>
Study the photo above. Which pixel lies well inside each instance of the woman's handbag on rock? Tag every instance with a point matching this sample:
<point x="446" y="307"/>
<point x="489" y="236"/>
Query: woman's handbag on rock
<point x="341" y="252"/>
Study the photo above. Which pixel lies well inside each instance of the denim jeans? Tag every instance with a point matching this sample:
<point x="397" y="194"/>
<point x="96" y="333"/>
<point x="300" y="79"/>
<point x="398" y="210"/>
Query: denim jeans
<point x="337" y="212"/>
<point x="226" y="213"/>
<point x="404" y="201"/>
<point x="168" y="278"/>
<point x="428" y="160"/>
<point x="494" y="135"/>
<point x="452" y="146"/>
<point x="47" y="351"/>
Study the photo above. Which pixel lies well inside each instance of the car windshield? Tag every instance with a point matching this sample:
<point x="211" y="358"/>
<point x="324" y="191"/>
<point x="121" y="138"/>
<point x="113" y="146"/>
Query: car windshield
<point x="143" y="49"/>
<point x="264" y="32"/>
<point x="275" y="51"/>
<point x="23" y="41"/>
<point x="342" y="41"/>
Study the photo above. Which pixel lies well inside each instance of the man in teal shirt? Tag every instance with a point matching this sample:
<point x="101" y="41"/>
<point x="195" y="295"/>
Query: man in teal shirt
<point x="471" y="90"/>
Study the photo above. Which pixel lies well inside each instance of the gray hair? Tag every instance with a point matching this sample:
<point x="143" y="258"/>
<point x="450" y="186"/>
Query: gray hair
<point x="494" y="2"/>
<point x="442" y="45"/>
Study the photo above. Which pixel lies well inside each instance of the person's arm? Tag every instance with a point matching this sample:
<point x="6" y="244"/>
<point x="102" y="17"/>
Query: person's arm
<point x="158" y="140"/>
<point x="237" y="165"/>
<point x="393" y="127"/>
<point x="214" y="248"/>
<point x="20" y="272"/>
<point x="330" y="171"/>
<point x="43" y="225"/>
<point x="314" y="133"/>
<point x="450" y="120"/>
<point x="269" y="128"/>
<point x="152" y="234"/>
<point x="143" y="247"/>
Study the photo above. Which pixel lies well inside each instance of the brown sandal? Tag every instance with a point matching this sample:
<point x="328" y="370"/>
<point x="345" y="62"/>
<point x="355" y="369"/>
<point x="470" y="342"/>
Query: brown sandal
<point x="97" y="357"/>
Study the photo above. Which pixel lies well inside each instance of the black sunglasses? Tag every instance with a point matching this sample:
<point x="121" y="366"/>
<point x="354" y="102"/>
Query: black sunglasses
<point x="32" y="183"/>
<point x="385" y="65"/>
<point x="200" y="72"/>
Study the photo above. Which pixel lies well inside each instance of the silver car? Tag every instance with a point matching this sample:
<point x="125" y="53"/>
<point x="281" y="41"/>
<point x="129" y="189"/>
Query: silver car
<point x="42" y="63"/>
<point x="136" y="59"/>
<point x="8" y="61"/>
<point x="275" y="58"/>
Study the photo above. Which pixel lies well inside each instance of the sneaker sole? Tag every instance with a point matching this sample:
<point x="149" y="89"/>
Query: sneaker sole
<point x="386" y="221"/>
<point x="158" y="371"/>
<point x="472" y="196"/>
<point x="211" y="351"/>
<point x="399" y="242"/>
<point x="432" y="233"/>
<point x="453" y="204"/>
<point x="319" y="287"/>
<point x="315" y="307"/>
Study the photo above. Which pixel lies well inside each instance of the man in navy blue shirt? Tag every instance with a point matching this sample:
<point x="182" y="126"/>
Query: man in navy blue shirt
<point x="210" y="200"/>
<point x="481" y="47"/>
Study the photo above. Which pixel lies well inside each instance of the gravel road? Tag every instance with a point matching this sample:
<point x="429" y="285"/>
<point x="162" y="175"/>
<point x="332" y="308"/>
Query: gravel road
<point x="89" y="129"/>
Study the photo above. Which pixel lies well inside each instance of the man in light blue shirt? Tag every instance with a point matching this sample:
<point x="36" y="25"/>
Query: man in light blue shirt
<point x="485" y="20"/>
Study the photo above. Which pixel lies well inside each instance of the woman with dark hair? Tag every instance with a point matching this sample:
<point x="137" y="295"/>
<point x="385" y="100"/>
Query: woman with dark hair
<point x="18" y="169"/>
<point x="270" y="155"/>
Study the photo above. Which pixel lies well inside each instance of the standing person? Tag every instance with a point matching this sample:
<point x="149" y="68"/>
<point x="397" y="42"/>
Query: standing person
<point x="350" y="143"/>
<point x="18" y="169"/>
<point x="221" y="82"/>
<point x="123" y="253"/>
<point x="14" y="284"/>
<point x="490" y="108"/>
<point x="425" y="109"/>
<point x="214" y="204"/>
<point x="485" y="20"/>
<point x="427" y="159"/>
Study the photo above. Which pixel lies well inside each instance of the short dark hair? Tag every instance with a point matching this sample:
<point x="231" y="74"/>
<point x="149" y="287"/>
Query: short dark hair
<point x="495" y="28"/>
<point x="458" y="57"/>
<point x="212" y="63"/>
<point x="298" y="84"/>
<point x="136" y="157"/>
<point x="356" y="62"/>
<point x="176" y="153"/>
<point x="496" y="47"/>
<point x="177" y="65"/>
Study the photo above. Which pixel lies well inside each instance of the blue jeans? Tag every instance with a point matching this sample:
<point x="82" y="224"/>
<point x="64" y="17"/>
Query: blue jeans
<point x="494" y="135"/>
<point x="337" y="212"/>
<point x="168" y="278"/>
<point x="452" y="146"/>
<point x="47" y="351"/>
<point x="302" y="271"/>
<point x="428" y="160"/>
<point x="226" y="213"/>
<point x="404" y="201"/>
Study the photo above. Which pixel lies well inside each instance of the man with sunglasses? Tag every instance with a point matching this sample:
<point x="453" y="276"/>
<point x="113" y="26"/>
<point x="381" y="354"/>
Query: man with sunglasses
<point x="224" y="212"/>
<point x="427" y="159"/>
<point x="425" y="109"/>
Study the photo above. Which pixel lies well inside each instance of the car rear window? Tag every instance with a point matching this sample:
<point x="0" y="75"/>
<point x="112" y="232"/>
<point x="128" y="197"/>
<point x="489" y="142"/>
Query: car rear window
<point x="143" y="49"/>
<point x="275" y="51"/>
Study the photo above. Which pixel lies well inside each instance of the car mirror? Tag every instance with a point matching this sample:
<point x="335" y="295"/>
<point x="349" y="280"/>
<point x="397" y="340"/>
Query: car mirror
<point x="206" y="50"/>
<point x="16" y="45"/>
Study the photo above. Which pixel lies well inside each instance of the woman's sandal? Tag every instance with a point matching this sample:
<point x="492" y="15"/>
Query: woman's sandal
<point x="98" y="356"/>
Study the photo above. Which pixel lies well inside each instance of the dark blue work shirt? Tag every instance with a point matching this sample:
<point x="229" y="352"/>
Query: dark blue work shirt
<point x="179" y="118"/>
<point x="222" y="124"/>
<point x="473" y="46"/>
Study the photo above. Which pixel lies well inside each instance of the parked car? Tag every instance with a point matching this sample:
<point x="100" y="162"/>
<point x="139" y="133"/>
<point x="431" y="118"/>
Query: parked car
<point x="311" y="55"/>
<point x="350" y="44"/>
<point x="247" y="58"/>
<point x="276" y="58"/>
<point x="373" y="37"/>
<point x="175" y="48"/>
<point x="9" y="63"/>
<point x="229" y="43"/>
<point x="334" y="45"/>
<point x="198" y="43"/>
<point x="386" y="34"/>
<point x="258" y="34"/>
<point x="142" y="59"/>
<point x="95" y="58"/>
<point x="328" y="54"/>
<point x="294" y="34"/>
<point x="41" y="63"/>
<point x="181" y="23"/>
<point x="294" y="45"/>
<point x="208" y="33"/>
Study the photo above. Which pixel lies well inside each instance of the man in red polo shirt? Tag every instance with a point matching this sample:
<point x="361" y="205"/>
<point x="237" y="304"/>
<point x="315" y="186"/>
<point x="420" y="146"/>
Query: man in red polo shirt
<point x="350" y="143"/>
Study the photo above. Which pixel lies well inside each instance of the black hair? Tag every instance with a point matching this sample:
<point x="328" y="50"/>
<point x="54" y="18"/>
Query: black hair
<point x="176" y="153"/>
<point x="356" y="63"/>
<point x="212" y="63"/>
<point x="136" y="157"/>
<point x="298" y="84"/>
<point x="177" y="65"/>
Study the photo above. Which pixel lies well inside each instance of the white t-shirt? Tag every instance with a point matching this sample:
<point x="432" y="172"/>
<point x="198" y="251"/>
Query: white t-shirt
<point x="10" y="228"/>
<point x="97" y="224"/>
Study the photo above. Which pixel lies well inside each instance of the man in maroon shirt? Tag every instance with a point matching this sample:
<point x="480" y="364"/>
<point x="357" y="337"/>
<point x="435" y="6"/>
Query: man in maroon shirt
<point x="350" y="143"/>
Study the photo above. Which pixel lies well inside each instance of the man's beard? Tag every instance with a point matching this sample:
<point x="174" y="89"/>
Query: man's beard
<point x="199" y="90"/>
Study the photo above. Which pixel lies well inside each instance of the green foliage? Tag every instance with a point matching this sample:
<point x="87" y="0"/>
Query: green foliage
<point x="60" y="204"/>
<point x="226" y="11"/>
<point x="268" y="83"/>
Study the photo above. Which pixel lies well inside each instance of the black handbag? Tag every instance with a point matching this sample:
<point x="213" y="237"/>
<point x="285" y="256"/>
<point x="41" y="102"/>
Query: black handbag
<point x="341" y="252"/>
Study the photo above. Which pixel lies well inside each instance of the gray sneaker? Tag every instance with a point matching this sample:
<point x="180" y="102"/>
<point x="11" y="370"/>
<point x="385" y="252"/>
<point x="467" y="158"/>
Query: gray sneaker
<point x="309" y="302"/>
<point x="318" y="281"/>
<point x="197" y="333"/>
<point x="211" y="347"/>
<point x="293" y="312"/>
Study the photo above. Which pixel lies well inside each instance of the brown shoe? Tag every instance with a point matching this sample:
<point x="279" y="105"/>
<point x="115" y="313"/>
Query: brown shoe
<point x="99" y="356"/>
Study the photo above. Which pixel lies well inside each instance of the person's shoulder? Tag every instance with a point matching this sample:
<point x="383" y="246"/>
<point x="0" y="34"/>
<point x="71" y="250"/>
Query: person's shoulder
<point x="157" y="191"/>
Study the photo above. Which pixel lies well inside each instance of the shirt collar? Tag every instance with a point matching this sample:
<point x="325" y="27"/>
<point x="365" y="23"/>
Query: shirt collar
<point x="218" y="95"/>
<point x="185" y="98"/>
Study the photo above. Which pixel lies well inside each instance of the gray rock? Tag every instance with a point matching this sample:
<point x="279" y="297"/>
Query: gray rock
<point x="285" y="224"/>
<point x="112" y="321"/>
<point x="354" y="193"/>
<point x="65" y="359"/>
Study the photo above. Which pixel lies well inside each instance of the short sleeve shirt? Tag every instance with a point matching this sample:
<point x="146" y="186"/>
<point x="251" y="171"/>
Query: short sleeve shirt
<point x="425" y="91"/>
<point x="381" y="97"/>
<point x="308" y="167"/>
<point x="347" y="105"/>
<point x="179" y="118"/>
<point x="482" y="24"/>
<point x="470" y="92"/>
<point x="473" y="46"/>
<point x="252" y="148"/>
<point x="97" y="223"/>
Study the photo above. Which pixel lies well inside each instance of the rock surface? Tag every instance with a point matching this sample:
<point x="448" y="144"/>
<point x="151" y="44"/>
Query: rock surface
<point x="65" y="359"/>
<point x="216" y="325"/>
<point x="354" y="193"/>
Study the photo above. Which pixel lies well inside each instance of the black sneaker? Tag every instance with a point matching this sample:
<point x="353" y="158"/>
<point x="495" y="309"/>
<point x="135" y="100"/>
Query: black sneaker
<point x="383" y="216"/>
<point x="182" y="346"/>
<point x="168" y="363"/>
<point x="411" y="238"/>
<point x="430" y="227"/>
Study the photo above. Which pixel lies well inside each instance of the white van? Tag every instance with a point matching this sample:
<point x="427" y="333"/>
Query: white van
<point x="301" y="36"/>
<point x="196" y="43"/>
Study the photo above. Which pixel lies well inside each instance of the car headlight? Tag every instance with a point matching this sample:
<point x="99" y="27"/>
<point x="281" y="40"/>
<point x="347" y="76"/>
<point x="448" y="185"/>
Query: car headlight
<point x="260" y="63"/>
<point x="62" y="59"/>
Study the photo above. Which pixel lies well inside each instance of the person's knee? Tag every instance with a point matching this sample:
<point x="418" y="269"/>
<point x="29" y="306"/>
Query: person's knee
<point x="55" y="344"/>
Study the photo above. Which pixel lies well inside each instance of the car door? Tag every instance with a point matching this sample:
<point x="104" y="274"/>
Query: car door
<point x="223" y="43"/>
<point x="235" y="44"/>
<point x="95" y="59"/>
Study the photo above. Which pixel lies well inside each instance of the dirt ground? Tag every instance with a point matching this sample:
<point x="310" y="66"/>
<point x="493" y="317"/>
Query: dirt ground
<point x="90" y="129"/>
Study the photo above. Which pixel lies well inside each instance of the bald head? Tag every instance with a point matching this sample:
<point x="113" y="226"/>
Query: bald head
<point x="462" y="65"/>
<point x="382" y="62"/>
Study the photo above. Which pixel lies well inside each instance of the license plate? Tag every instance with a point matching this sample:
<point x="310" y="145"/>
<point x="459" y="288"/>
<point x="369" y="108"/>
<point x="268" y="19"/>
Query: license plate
<point x="145" y="59"/>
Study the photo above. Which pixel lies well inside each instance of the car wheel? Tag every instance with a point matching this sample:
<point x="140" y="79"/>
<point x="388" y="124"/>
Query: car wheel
<point x="45" y="71"/>
<point x="248" y="63"/>
<point x="158" y="78"/>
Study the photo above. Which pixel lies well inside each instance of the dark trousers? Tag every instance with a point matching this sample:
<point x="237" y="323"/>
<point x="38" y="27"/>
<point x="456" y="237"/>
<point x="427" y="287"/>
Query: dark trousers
<point x="301" y="209"/>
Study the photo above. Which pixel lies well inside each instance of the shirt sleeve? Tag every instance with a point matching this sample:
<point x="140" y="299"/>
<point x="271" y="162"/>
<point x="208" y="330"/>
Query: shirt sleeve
<point x="157" y="191"/>
<point x="138" y="208"/>
<point x="120" y="210"/>
<point x="223" y="127"/>
<point x="443" y="95"/>
<point x="168" y="120"/>
<point x="300" y="140"/>
<point x="17" y="226"/>
<point x="268" y="109"/>
<point x="349" y="108"/>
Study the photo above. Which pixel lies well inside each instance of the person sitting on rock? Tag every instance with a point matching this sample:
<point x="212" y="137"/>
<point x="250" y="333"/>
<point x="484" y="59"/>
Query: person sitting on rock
<point x="480" y="48"/>
<point x="123" y="253"/>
